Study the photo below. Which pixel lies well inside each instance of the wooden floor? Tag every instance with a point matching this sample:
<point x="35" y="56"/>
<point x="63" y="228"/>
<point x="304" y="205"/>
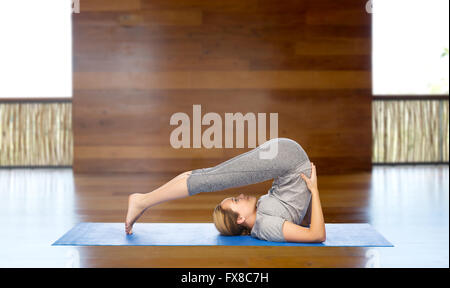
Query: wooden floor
<point x="409" y="205"/>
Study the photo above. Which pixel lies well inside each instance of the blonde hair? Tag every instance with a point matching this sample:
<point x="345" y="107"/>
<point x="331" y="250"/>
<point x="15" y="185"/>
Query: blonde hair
<point x="225" y="222"/>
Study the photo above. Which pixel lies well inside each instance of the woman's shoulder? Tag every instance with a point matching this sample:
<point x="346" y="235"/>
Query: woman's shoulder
<point x="271" y="205"/>
<point x="268" y="227"/>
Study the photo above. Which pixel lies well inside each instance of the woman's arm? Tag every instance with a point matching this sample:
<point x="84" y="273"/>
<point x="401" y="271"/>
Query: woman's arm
<point x="316" y="232"/>
<point x="307" y="219"/>
<point x="317" y="227"/>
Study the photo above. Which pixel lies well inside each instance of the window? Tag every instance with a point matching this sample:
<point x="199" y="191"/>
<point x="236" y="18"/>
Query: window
<point x="410" y="63"/>
<point x="36" y="49"/>
<point x="410" y="47"/>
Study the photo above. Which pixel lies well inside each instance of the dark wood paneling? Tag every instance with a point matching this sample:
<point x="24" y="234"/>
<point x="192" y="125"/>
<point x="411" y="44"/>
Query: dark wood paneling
<point x="136" y="63"/>
<point x="109" y="5"/>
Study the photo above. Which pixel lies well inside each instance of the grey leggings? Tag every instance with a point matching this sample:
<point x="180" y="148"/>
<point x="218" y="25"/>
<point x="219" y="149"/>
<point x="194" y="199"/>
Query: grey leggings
<point x="249" y="167"/>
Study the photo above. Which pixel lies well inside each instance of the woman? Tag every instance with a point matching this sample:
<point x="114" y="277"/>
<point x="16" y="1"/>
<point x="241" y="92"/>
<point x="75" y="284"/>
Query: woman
<point x="288" y="213"/>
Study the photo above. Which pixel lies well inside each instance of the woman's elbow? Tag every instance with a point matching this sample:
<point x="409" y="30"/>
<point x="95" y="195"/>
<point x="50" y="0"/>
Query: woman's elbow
<point x="321" y="238"/>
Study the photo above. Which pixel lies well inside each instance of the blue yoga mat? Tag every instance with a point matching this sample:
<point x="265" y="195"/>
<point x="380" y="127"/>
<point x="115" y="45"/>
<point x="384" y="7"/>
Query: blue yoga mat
<point x="205" y="234"/>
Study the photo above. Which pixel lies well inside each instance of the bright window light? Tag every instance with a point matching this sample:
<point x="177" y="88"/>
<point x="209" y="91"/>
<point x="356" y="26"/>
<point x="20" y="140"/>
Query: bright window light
<point x="36" y="48"/>
<point x="410" y="47"/>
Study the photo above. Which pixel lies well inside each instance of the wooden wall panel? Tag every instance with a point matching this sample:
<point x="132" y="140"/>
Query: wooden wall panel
<point x="224" y="80"/>
<point x="136" y="63"/>
<point x="109" y="5"/>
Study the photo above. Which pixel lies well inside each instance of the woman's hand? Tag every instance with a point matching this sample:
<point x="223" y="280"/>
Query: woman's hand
<point x="311" y="182"/>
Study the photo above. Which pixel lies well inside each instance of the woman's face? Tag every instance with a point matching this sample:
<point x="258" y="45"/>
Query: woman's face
<point x="244" y="205"/>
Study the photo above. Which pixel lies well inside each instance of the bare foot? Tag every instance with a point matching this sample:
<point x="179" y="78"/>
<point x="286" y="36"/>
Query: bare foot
<point x="135" y="210"/>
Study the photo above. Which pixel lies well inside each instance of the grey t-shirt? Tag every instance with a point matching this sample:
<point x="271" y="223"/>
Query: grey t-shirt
<point x="287" y="199"/>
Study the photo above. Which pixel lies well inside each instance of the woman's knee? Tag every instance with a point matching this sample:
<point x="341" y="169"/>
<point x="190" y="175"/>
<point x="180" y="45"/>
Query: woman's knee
<point x="291" y="152"/>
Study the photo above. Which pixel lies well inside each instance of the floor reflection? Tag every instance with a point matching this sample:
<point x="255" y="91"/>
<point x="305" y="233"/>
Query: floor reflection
<point x="36" y="208"/>
<point x="409" y="205"/>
